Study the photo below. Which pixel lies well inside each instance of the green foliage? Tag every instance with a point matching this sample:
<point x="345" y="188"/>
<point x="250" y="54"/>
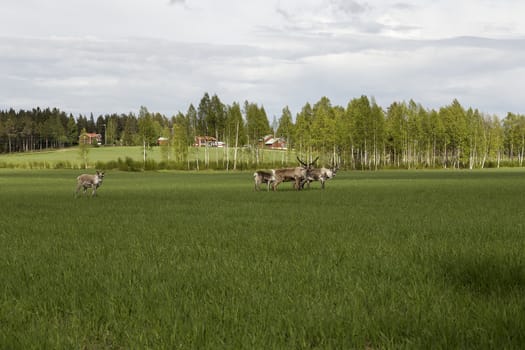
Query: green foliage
<point x="361" y="136"/>
<point x="257" y="123"/>
<point x="324" y="125"/>
<point x="148" y="128"/>
<point x="303" y="130"/>
<point x="199" y="260"/>
<point x="83" y="148"/>
<point x="285" y="128"/>
<point x="235" y="128"/>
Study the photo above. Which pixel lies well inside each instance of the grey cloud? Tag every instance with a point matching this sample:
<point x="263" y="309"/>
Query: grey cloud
<point x="83" y="75"/>
<point x="403" y="6"/>
<point x="88" y="75"/>
<point x="341" y="15"/>
<point x="348" y="7"/>
<point x="282" y="12"/>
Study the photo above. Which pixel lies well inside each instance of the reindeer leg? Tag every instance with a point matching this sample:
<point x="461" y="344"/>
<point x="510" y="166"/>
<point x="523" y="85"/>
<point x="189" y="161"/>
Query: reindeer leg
<point x="302" y="182"/>
<point x="297" y="183"/>
<point x="307" y="184"/>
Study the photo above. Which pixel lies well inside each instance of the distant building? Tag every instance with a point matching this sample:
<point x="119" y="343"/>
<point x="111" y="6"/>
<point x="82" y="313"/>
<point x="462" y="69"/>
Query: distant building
<point x="203" y="141"/>
<point x="90" y="138"/>
<point x="162" y="141"/>
<point x="269" y="141"/>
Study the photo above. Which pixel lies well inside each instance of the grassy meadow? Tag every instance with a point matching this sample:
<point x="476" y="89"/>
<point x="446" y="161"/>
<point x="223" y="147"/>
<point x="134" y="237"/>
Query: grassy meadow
<point x="185" y="260"/>
<point x="71" y="158"/>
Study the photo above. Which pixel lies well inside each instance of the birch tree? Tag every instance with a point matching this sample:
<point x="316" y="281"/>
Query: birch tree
<point x="303" y="130"/>
<point x="235" y="130"/>
<point x="285" y="130"/>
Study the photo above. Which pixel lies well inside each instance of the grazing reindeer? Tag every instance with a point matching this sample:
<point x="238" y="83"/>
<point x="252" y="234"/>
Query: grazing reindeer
<point x="320" y="174"/>
<point x="86" y="181"/>
<point x="297" y="174"/>
<point x="263" y="177"/>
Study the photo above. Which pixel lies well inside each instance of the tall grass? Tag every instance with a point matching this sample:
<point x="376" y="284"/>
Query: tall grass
<point x="395" y="259"/>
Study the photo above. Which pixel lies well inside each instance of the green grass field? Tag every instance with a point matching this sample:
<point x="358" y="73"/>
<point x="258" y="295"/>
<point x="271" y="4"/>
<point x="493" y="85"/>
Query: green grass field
<point x="185" y="260"/>
<point x="70" y="158"/>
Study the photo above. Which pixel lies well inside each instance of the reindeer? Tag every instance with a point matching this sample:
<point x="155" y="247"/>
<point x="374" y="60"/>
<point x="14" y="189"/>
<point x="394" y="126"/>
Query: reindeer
<point x="320" y="174"/>
<point x="297" y="174"/>
<point x="86" y="181"/>
<point x="263" y="177"/>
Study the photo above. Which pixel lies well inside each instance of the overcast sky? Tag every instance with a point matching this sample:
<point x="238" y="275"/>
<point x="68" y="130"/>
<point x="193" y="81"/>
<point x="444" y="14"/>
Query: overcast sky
<point x="113" y="56"/>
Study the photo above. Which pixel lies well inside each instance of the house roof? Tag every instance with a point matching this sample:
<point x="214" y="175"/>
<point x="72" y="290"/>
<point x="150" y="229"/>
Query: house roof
<point x="210" y="138"/>
<point x="91" y="135"/>
<point x="273" y="140"/>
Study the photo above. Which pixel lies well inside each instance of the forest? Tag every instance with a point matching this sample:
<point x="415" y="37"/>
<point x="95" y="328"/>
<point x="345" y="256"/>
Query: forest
<point x="361" y="135"/>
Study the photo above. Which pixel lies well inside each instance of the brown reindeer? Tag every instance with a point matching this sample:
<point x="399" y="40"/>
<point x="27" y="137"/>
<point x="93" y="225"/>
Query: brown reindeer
<point x="297" y="174"/>
<point x="86" y="181"/>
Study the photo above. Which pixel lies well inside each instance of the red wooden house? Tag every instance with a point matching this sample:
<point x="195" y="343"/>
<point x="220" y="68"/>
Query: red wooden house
<point x="90" y="138"/>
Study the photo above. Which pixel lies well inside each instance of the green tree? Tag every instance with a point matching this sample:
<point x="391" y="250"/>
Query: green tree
<point x="203" y="116"/>
<point x="378" y="133"/>
<point x="360" y="113"/>
<point x="342" y="140"/>
<point x="286" y="130"/>
<point x="455" y="120"/>
<point x="438" y="137"/>
<point x="181" y="137"/>
<point x="257" y="125"/>
<point x="497" y="139"/>
<point x="235" y="131"/>
<point x="71" y="130"/>
<point x="130" y="130"/>
<point x="303" y="131"/>
<point x="191" y="117"/>
<point x="111" y="129"/>
<point x="216" y="119"/>
<point x="149" y="130"/>
<point x="323" y="126"/>
<point x="83" y="147"/>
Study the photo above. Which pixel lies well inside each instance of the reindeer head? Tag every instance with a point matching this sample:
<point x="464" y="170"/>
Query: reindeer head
<point x="307" y="166"/>
<point x="334" y="169"/>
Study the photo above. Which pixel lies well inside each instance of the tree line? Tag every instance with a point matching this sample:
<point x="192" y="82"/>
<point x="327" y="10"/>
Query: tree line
<point x="361" y="135"/>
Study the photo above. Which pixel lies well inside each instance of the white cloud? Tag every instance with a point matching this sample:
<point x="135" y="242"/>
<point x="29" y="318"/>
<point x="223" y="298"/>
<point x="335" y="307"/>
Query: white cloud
<point x="104" y="57"/>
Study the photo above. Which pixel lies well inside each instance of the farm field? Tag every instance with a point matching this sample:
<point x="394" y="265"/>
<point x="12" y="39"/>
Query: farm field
<point x="71" y="158"/>
<point x="183" y="260"/>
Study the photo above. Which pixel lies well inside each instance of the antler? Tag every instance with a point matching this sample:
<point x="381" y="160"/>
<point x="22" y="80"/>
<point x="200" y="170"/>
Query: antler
<point x="307" y="165"/>
<point x="300" y="161"/>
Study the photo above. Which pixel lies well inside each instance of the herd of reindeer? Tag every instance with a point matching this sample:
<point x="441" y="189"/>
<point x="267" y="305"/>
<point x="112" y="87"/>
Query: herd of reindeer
<point x="300" y="176"/>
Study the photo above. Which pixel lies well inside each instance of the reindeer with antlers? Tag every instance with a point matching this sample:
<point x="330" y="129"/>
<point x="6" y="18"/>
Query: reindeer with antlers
<point x="297" y="175"/>
<point x="321" y="175"/>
